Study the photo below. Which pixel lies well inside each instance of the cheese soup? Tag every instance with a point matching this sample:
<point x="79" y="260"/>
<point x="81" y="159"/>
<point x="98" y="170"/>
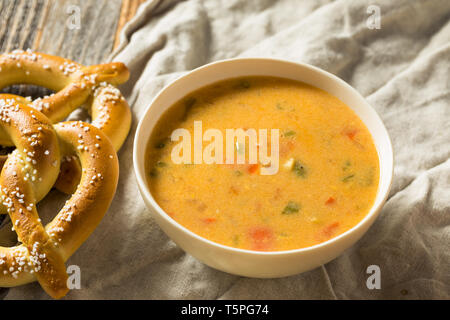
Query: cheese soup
<point x="326" y="182"/>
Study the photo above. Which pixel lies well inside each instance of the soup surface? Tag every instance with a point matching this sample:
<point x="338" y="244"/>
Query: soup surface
<point x="328" y="166"/>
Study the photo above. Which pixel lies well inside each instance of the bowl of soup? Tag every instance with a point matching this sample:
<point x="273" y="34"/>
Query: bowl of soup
<point x="261" y="167"/>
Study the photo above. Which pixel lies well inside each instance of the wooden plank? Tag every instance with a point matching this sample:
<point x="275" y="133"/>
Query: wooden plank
<point x="19" y="20"/>
<point x="20" y="24"/>
<point x="52" y="26"/>
<point x="47" y="25"/>
<point x="81" y="30"/>
<point x="127" y="12"/>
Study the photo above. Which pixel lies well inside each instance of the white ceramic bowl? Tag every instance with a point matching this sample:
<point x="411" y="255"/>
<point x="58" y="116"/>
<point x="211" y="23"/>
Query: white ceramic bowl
<point x="255" y="263"/>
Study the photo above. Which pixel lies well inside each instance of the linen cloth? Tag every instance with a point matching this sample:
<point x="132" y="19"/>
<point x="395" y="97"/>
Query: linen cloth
<point x="403" y="71"/>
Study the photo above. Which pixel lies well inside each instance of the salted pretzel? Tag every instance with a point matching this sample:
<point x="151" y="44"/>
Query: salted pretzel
<point x="75" y="85"/>
<point x="27" y="176"/>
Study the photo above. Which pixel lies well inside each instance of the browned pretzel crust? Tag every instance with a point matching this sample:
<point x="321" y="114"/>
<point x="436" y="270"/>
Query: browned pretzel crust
<point x="28" y="175"/>
<point x="75" y="85"/>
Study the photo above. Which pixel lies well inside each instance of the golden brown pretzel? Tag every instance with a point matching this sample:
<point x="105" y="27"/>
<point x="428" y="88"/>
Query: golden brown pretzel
<point x="39" y="146"/>
<point x="75" y="85"/>
<point x="24" y="125"/>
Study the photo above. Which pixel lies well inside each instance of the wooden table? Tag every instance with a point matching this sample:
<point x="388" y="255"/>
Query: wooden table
<point x="85" y="31"/>
<point x="81" y="30"/>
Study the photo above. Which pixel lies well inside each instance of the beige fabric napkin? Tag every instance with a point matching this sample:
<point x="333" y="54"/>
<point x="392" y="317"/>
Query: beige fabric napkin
<point x="403" y="70"/>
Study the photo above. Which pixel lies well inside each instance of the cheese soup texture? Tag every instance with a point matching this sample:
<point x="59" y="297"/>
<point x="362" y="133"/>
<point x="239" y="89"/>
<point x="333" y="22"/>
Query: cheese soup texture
<point x="328" y="166"/>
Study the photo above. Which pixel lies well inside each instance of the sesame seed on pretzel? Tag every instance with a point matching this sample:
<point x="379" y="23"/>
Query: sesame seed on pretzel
<point x="27" y="176"/>
<point x="75" y="85"/>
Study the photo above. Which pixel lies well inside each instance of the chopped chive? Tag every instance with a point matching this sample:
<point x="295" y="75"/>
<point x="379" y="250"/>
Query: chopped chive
<point x="235" y="240"/>
<point x="244" y="84"/>
<point x="291" y="207"/>
<point x="348" y="178"/>
<point x="289" y="133"/>
<point x="238" y="173"/>
<point x="153" y="173"/>
<point x="347" y="164"/>
<point x="189" y="102"/>
<point x="279" y="107"/>
<point x="299" y="169"/>
<point x="161" y="164"/>
<point x="160" y="145"/>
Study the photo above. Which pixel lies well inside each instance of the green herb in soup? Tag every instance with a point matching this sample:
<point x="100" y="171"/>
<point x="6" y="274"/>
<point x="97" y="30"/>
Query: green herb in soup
<point x="326" y="181"/>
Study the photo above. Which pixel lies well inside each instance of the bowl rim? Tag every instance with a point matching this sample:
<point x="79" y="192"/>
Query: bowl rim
<point x="372" y="214"/>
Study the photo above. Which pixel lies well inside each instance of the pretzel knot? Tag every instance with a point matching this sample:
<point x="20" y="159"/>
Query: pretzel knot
<point x="28" y="175"/>
<point x="75" y="85"/>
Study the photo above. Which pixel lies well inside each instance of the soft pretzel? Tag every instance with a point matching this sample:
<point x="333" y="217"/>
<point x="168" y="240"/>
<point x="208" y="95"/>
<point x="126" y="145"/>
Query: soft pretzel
<point x="39" y="148"/>
<point x="31" y="132"/>
<point x="74" y="85"/>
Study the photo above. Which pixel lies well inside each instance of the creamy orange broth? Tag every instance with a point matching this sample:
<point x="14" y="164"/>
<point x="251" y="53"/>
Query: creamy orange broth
<point x="326" y="183"/>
